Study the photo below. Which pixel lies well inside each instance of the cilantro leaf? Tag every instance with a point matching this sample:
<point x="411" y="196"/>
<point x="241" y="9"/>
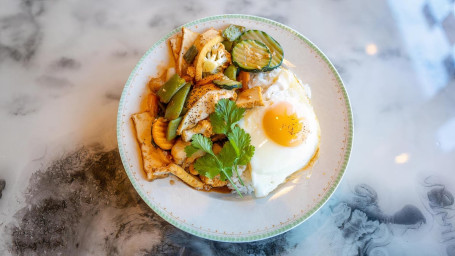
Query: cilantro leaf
<point x="226" y="115"/>
<point x="190" y="150"/>
<point x="227" y="155"/>
<point x="247" y="154"/>
<point x="226" y="173"/>
<point x="208" y="166"/>
<point x="199" y="142"/>
<point x="240" y="141"/>
<point x="218" y="123"/>
<point x="235" y="116"/>
<point x="236" y="151"/>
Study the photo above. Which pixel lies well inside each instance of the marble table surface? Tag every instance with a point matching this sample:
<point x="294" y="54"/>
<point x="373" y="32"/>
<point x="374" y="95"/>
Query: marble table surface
<point x="63" y="65"/>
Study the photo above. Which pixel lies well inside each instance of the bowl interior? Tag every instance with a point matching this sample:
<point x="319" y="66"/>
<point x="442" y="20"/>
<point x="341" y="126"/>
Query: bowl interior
<point x="225" y="217"/>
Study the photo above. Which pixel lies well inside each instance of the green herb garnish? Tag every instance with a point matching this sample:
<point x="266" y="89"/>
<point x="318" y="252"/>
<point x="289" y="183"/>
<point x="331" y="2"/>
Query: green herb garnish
<point x="236" y="151"/>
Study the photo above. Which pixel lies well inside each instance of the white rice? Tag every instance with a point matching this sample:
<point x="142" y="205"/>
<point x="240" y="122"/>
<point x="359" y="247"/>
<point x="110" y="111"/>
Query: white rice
<point x="246" y="178"/>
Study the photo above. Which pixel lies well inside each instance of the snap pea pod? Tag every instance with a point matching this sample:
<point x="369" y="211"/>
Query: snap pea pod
<point x="175" y="106"/>
<point x="171" y="87"/>
<point x="172" y="128"/>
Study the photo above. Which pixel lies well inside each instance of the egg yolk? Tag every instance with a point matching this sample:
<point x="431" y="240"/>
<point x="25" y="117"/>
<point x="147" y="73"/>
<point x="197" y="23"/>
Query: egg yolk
<point x="282" y="125"/>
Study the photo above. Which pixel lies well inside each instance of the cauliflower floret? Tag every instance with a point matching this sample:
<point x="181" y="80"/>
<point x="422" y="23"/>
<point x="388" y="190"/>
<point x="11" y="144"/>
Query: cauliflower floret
<point x="216" y="60"/>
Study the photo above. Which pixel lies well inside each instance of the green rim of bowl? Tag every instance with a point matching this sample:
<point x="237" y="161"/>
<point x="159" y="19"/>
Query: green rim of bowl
<point x="242" y="238"/>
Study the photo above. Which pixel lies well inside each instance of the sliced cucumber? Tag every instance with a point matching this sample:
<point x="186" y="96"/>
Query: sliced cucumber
<point x="231" y="72"/>
<point x="251" y="55"/>
<point x="274" y="47"/>
<point x="228" y="45"/>
<point x="190" y="54"/>
<point x="228" y="84"/>
<point x="233" y="32"/>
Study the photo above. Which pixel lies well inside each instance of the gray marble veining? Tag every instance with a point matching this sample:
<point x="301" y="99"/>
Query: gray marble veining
<point x="63" y="189"/>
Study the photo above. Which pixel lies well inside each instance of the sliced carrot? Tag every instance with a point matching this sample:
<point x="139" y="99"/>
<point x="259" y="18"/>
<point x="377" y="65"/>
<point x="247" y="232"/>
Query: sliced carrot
<point x="244" y="77"/>
<point x="152" y="104"/>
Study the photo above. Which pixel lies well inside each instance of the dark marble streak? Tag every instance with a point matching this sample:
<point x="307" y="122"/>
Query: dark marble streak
<point x="77" y="190"/>
<point x="2" y="186"/>
<point x="441" y="205"/>
<point x="34" y="7"/>
<point x="21" y="36"/>
<point x="122" y="54"/>
<point x="112" y="96"/>
<point x="22" y="105"/>
<point x="428" y="14"/>
<point x="360" y="234"/>
<point x="440" y="198"/>
<point x="53" y="82"/>
<point x="20" y="33"/>
<point x="392" y="53"/>
<point x="345" y="65"/>
<point x="340" y="68"/>
<point x="363" y="225"/>
<point x="54" y="86"/>
<point x="449" y="64"/>
<point x="366" y="200"/>
<point x="89" y="186"/>
<point x="157" y="21"/>
<point x="65" y="63"/>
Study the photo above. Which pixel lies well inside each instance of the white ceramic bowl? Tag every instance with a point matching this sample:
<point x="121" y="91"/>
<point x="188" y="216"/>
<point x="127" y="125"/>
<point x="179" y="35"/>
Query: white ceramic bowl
<point x="225" y="217"/>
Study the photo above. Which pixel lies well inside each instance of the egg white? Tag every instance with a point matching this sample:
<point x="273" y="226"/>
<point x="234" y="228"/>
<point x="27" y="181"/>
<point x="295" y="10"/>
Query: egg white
<point x="273" y="163"/>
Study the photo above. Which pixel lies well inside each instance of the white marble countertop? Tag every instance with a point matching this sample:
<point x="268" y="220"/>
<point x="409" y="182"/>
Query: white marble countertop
<point x="63" y="65"/>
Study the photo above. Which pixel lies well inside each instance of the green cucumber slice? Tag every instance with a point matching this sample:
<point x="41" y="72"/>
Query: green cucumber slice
<point x="228" y="45"/>
<point x="231" y="72"/>
<point x="274" y="47"/>
<point x="227" y="83"/>
<point x="251" y="55"/>
<point x="190" y="54"/>
<point x="233" y="32"/>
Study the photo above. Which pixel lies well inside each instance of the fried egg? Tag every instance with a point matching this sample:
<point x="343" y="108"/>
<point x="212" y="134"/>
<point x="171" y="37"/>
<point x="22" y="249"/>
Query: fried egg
<point x="285" y="131"/>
